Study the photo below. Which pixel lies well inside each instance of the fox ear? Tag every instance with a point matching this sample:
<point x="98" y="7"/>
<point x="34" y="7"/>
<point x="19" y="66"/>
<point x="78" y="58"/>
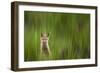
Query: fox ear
<point x="41" y="34"/>
<point x="48" y="35"/>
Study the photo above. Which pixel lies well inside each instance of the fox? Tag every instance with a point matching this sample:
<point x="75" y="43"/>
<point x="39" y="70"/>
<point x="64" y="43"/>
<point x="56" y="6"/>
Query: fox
<point x="44" y="39"/>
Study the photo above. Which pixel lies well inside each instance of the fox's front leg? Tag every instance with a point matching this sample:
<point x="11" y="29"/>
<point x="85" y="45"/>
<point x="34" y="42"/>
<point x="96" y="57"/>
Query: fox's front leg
<point x="48" y="49"/>
<point x="41" y="47"/>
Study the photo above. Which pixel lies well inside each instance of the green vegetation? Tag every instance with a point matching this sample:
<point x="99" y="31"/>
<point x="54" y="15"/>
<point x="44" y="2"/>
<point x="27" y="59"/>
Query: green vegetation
<point x="69" y="35"/>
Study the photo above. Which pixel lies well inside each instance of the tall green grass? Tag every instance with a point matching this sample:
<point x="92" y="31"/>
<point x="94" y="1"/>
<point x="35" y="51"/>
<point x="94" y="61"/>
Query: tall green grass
<point x="69" y="35"/>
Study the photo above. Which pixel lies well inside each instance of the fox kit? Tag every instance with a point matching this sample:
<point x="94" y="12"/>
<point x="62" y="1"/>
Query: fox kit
<point x="44" y="43"/>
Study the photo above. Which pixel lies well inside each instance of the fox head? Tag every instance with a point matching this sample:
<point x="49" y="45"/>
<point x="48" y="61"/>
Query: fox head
<point x="44" y="34"/>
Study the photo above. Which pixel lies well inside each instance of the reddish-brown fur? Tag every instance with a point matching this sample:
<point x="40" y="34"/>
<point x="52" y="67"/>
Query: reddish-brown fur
<point x="44" y="43"/>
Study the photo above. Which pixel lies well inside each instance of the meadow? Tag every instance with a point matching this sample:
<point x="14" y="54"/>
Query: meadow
<point x="69" y="35"/>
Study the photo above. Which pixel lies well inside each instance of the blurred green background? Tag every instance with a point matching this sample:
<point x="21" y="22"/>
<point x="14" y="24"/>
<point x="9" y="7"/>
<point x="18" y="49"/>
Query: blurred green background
<point x="69" y="35"/>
